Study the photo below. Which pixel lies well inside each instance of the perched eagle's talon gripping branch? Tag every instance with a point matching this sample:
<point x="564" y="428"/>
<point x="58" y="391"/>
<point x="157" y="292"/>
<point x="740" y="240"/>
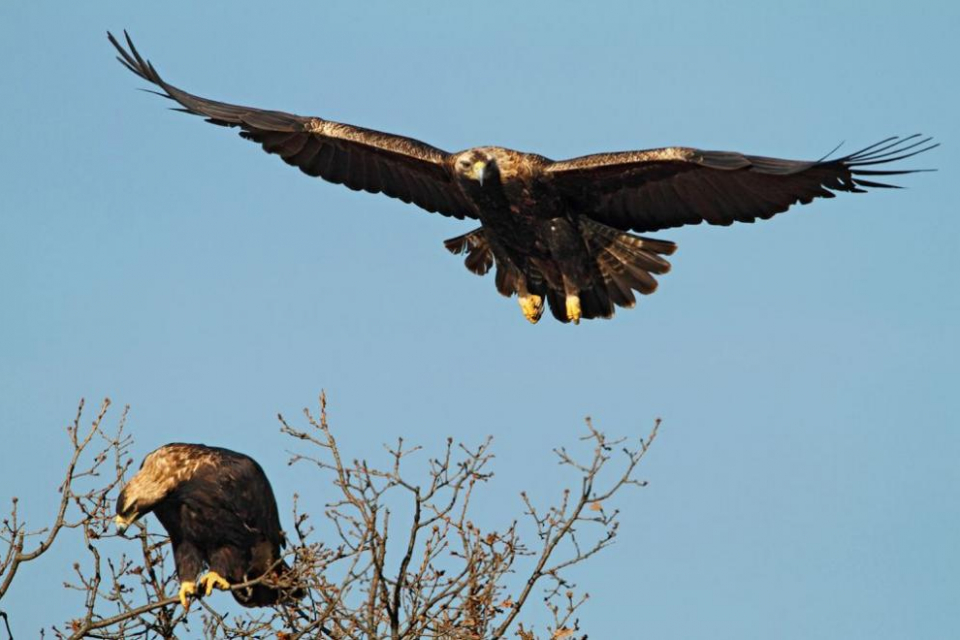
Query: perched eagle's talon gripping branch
<point x="188" y="589"/>
<point x="213" y="579"/>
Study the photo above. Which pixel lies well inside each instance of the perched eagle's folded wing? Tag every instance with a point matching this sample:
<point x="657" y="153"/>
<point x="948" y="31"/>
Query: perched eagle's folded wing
<point x="255" y="506"/>
<point x="361" y="159"/>
<point x="674" y="186"/>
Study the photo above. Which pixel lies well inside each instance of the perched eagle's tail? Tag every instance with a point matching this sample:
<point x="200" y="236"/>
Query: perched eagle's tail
<point x="274" y="590"/>
<point x="626" y="262"/>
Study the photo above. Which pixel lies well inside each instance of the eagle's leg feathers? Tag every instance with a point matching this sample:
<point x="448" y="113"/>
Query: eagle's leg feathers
<point x="530" y="303"/>
<point x="213" y="579"/>
<point x="188" y="589"/>
<point x="189" y="562"/>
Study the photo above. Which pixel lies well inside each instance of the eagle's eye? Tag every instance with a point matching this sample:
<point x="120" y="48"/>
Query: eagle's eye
<point x="126" y="508"/>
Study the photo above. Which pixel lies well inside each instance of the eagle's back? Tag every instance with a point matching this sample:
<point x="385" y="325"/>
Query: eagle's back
<point x="224" y="498"/>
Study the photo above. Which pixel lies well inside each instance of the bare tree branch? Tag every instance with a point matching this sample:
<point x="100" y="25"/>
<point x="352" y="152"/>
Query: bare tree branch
<point x="15" y="532"/>
<point x="402" y="557"/>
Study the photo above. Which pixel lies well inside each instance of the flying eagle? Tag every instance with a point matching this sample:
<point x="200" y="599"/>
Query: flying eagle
<point x="219" y="511"/>
<point x="556" y="231"/>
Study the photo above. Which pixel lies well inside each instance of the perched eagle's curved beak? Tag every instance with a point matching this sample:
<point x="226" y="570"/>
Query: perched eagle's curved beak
<point x="479" y="171"/>
<point x="123" y="523"/>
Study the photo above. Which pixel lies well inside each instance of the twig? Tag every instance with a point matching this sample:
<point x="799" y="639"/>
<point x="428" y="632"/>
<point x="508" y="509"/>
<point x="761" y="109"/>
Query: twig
<point x="6" y="624"/>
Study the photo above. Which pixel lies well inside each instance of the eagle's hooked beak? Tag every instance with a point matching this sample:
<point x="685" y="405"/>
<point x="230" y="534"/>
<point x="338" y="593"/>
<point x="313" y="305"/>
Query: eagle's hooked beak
<point x="123" y="523"/>
<point x="479" y="171"/>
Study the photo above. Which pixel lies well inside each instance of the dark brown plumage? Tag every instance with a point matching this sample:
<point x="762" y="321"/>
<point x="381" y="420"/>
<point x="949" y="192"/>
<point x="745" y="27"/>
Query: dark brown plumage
<point x="218" y="508"/>
<point x="555" y="231"/>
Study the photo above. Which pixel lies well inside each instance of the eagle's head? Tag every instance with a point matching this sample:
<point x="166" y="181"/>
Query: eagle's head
<point x="159" y="475"/>
<point x="478" y="166"/>
<point x="127" y="511"/>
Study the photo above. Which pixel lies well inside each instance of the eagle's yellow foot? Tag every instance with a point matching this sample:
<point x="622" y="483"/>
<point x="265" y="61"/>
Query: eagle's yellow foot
<point x="187" y="589"/>
<point x="213" y="579"/>
<point x="532" y="307"/>
<point x="573" y="309"/>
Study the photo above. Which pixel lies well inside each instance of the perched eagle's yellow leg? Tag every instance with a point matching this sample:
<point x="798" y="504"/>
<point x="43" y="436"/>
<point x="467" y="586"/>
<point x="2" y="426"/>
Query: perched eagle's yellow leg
<point x="187" y="589"/>
<point x="530" y="304"/>
<point x="213" y="579"/>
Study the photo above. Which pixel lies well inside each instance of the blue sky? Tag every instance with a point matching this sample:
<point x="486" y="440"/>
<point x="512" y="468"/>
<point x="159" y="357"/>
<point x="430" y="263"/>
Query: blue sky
<point x="805" y="484"/>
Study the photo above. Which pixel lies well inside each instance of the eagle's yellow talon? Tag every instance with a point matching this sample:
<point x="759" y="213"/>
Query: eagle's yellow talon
<point x="573" y="309"/>
<point x="213" y="579"/>
<point x="532" y="307"/>
<point x="187" y="589"/>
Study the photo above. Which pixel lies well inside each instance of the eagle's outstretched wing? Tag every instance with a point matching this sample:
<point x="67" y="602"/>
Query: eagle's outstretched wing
<point x="661" y="188"/>
<point x="361" y="159"/>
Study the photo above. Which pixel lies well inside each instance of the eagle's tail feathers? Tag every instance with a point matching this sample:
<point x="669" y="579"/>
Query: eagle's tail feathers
<point x="557" y="302"/>
<point x="507" y="279"/>
<point x="627" y="262"/>
<point x="479" y="258"/>
<point x="619" y="287"/>
<point x="596" y="303"/>
<point x="265" y="595"/>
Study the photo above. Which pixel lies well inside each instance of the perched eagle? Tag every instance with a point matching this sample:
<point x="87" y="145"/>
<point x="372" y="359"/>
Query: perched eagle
<point x="555" y="231"/>
<point x="219" y="510"/>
